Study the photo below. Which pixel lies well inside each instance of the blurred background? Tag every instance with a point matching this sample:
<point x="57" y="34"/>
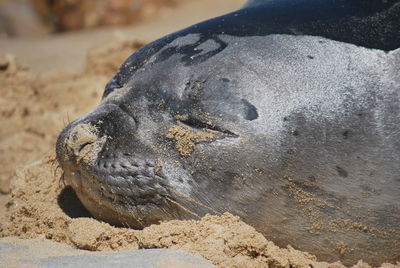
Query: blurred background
<point x="41" y="17"/>
<point x="21" y="18"/>
<point x="48" y="34"/>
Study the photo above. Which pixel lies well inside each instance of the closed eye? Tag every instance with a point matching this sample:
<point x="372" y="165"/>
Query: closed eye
<point x="195" y="123"/>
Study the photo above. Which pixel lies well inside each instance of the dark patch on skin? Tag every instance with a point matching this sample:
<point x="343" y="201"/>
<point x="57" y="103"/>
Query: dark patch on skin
<point x="250" y="111"/>
<point x="226" y="80"/>
<point x="310" y="57"/>
<point x="346" y="134"/>
<point x="312" y="178"/>
<point x="291" y="151"/>
<point x="191" y="55"/>
<point x="230" y="176"/>
<point x="70" y="204"/>
<point x="342" y="172"/>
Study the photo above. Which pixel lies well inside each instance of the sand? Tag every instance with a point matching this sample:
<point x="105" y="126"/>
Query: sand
<point x="34" y="107"/>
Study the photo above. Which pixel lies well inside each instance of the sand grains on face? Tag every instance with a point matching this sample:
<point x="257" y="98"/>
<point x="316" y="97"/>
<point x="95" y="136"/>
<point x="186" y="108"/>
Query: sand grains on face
<point x="84" y="143"/>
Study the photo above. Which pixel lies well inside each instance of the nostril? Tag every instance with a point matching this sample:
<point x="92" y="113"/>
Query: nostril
<point x="83" y="146"/>
<point x="80" y="142"/>
<point x="83" y="139"/>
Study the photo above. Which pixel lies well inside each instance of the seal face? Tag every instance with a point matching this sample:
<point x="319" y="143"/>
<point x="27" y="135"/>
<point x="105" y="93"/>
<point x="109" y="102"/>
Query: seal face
<point x="296" y="134"/>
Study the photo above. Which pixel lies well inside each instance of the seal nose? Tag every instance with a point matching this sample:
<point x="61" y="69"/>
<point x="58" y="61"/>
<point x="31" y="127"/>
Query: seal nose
<point x="79" y="142"/>
<point x="83" y="139"/>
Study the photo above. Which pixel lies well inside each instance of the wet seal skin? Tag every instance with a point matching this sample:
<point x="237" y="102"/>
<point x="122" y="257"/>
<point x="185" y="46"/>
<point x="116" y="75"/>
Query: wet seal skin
<point x="285" y="113"/>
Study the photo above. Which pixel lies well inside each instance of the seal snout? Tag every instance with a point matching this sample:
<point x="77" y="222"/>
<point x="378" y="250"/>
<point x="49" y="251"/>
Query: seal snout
<point x="80" y="143"/>
<point x="82" y="140"/>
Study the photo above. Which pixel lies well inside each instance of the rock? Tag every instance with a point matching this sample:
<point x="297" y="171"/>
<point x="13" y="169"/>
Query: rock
<point x="16" y="252"/>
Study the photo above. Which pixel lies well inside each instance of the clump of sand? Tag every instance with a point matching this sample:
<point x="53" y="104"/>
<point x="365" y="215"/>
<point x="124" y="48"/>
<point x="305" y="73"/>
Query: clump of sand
<point x="85" y="135"/>
<point x="186" y="139"/>
<point x="34" y="109"/>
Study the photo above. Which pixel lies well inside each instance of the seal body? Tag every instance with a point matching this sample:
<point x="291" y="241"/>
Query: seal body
<point x="287" y="122"/>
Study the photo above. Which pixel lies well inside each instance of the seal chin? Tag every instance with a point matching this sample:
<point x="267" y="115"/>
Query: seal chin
<point x="133" y="195"/>
<point x="122" y="190"/>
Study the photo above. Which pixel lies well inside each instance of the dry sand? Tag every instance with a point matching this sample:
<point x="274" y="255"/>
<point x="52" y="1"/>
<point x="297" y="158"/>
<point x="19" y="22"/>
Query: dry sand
<point x="34" y="107"/>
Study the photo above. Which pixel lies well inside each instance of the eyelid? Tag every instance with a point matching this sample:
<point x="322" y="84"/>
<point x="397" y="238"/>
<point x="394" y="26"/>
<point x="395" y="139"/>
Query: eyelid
<point x="195" y="123"/>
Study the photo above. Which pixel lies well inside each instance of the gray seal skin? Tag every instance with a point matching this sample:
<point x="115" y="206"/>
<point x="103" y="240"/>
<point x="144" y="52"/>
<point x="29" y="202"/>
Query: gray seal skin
<point x="289" y="120"/>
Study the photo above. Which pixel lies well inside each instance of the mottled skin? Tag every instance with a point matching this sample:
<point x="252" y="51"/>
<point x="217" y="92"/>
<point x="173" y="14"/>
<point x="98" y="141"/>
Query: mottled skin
<point x="303" y="100"/>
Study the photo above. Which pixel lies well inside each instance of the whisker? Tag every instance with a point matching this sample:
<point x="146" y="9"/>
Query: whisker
<point x="55" y="166"/>
<point x="68" y="119"/>
<point x="182" y="207"/>
<point x="137" y="218"/>
<point x="65" y="123"/>
<point x="192" y="200"/>
<point x="61" y="182"/>
<point x="56" y="170"/>
<point x="126" y="225"/>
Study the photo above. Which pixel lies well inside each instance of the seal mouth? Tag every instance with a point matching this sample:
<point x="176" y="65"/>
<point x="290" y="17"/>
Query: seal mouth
<point x="121" y="190"/>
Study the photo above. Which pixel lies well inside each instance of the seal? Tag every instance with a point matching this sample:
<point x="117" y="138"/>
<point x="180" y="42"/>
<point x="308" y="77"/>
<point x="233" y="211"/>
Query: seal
<point x="285" y="113"/>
